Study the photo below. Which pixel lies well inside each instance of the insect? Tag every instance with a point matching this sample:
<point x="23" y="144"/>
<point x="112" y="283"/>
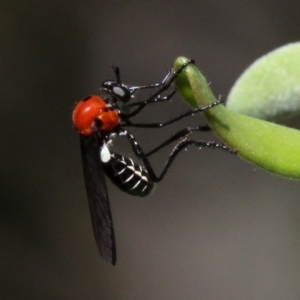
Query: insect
<point x="98" y="119"/>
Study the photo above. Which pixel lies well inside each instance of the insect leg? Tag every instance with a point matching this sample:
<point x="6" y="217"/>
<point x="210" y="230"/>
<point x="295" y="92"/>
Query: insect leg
<point x="179" y="135"/>
<point x="184" y="144"/>
<point x="176" y="150"/>
<point x="184" y="115"/>
<point x="165" y="84"/>
<point x="159" y="98"/>
<point x="126" y="107"/>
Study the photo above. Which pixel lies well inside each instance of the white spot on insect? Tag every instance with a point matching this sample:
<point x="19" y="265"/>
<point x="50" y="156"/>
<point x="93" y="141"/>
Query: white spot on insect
<point x="123" y="133"/>
<point x="144" y="188"/>
<point x="119" y="173"/>
<point x="123" y="162"/>
<point x="129" y="178"/>
<point x="105" y="154"/>
<point x="136" y="185"/>
<point x="144" y="178"/>
<point x="118" y="91"/>
<point x="132" y="163"/>
<point x="131" y="168"/>
<point x="112" y="136"/>
<point x="109" y="143"/>
<point x="137" y="173"/>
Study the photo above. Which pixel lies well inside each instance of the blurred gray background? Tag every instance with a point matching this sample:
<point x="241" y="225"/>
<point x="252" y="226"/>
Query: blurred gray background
<point x="216" y="228"/>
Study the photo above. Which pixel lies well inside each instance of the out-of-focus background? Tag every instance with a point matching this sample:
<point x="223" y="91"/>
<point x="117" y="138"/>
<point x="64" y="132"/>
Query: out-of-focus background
<point x="216" y="228"/>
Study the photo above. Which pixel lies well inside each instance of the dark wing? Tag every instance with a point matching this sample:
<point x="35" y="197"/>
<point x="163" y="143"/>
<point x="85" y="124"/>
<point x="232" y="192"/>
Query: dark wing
<point x="98" y="197"/>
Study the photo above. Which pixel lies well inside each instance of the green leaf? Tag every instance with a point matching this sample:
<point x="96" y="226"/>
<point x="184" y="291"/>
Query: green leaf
<point x="272" y="147"/>
<point x="270" y="88"/>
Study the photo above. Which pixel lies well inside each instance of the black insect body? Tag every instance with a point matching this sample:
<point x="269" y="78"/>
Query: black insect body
<point x="128" y="175"/>
<point x="98" y="120"/>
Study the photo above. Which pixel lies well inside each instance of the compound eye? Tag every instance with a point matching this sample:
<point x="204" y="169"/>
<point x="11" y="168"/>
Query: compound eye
<point x="108" y="85"/>
<point x="116" y="90"/>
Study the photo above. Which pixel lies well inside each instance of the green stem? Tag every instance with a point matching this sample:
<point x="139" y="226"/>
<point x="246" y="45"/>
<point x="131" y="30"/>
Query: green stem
<point x="269" y="146"/>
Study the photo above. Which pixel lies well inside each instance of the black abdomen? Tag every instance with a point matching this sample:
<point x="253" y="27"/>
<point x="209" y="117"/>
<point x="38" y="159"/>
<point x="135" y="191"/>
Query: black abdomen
<point x="128" y="176"/>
